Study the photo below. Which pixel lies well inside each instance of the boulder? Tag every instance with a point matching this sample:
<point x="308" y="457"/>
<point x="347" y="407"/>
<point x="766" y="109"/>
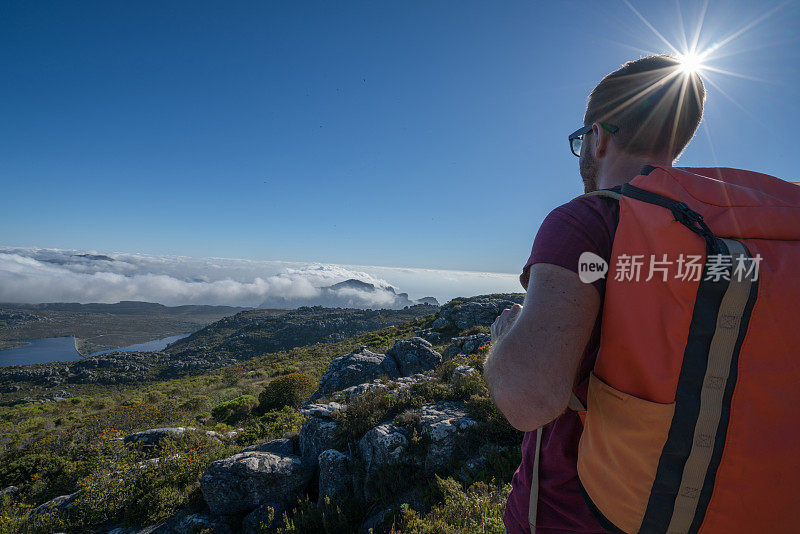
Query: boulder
<point x="414" y="355"/>
<point x="280" y="446"/>
<point x="9" y="490"/>
<point x="462" y="371"/>
<point x="465" y="345"/>
<point x="317" y="435"/>
<point x="245" y="481"/>
<point x="383" y="445"/>
<point x="185" y="522"/>
<point x="442" y="422"/>
<point x="360" y="389"/>
<point x="62" y="502"/>
<point x="428" y="334"/>
<point x="407" y="381"/>
<point x="439" y="323"/>
<point x="335" y="477"/>
<point x="355" y="368"/>
<point x="322" y="410"/>
<point x="262" y="515"/>
<point x="478" y="311"/>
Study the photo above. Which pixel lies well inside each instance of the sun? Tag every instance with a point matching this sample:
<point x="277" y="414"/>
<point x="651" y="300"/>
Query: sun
<point x="690" y="63"/>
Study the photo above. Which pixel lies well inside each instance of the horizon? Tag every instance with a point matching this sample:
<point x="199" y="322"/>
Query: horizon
<point x="384" y="140"/>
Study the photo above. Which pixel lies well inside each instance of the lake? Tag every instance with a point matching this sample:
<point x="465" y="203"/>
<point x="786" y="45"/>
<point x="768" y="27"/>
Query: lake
<point x="62" y="349"/>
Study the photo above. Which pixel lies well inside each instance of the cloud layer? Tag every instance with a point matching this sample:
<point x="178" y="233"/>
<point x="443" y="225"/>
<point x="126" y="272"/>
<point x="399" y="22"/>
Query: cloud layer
<point x="34" y="275"/>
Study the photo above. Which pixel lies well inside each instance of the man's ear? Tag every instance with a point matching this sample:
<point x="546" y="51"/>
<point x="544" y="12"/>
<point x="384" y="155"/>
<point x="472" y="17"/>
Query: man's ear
<point x="601" y="138"/>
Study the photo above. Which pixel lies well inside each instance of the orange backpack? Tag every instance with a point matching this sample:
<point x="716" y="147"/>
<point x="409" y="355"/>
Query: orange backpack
<point x="693" y="408"/>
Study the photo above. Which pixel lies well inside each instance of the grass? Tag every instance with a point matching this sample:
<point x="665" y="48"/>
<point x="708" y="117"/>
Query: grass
<point x="74" y="445"/>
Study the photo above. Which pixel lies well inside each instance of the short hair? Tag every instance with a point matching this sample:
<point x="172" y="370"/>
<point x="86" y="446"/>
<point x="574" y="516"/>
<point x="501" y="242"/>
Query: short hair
<point x="656" y="105"/>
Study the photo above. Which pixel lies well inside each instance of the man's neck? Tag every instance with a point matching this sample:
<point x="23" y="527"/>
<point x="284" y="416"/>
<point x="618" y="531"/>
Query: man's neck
<point x="625" y="169"/>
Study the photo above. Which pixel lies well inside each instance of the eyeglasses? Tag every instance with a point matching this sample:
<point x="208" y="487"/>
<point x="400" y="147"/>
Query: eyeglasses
<point x="576" y="137"/>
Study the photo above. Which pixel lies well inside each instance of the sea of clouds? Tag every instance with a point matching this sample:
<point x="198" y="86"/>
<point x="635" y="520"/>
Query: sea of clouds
<point x="34" y="275"/>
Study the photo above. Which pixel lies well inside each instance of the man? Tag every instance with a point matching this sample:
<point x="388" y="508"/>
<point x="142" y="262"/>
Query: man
<point x="542" y="352"/>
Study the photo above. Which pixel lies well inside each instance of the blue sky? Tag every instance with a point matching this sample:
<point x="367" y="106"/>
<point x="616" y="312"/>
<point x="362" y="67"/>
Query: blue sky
<point x="404" y="134"/>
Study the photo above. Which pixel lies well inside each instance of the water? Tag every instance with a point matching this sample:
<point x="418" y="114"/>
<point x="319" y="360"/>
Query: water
<point x="62" y="349"/>
<point x="43" y="350"/>
<point x="147" y="346"/>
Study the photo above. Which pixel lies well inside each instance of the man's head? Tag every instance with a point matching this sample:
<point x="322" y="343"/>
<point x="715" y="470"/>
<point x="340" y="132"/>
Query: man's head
<point x="652" y="106"/>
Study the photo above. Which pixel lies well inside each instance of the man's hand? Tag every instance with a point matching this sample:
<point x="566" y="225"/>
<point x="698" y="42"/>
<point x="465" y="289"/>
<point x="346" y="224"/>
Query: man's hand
<point x="504" y="322"/>
<point x="536" y="348"/>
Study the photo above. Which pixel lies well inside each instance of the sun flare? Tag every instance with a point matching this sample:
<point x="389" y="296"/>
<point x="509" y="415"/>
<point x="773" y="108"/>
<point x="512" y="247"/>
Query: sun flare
<point x="690" y="63"/>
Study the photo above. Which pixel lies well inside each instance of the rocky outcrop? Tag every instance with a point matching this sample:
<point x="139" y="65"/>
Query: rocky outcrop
<point x="62" y="502"/>
<point x="317" y="435"/>
<point x="279" y="447"/>
<point x="322" y="410"/>
<point x="462" y="371"/>
<point x="414" y="355"/>
<point x="383" y="445"/>
<point x="355" y="368"/>
<point x="185" y="523"/>
<point x="443" y="422"/>
<point x="360" y="389"/>
<point x="335" y="478"/>
<point x="245" y="481"/>
<point x="476" y="311"/>
<point x="465" y="345"/>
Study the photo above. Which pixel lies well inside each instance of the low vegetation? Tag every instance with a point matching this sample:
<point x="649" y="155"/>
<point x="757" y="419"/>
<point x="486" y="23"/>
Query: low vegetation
<point x="75" y="447"/>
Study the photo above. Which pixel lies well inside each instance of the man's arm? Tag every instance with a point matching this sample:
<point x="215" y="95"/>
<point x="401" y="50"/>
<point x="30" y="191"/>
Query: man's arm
<point x="537" y="348"/>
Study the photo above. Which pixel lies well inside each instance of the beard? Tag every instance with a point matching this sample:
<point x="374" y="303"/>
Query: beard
<point x="588" y="167"/>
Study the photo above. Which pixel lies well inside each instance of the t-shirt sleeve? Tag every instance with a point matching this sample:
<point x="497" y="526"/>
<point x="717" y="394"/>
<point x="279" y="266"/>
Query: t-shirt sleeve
<point x="585" y="224"/>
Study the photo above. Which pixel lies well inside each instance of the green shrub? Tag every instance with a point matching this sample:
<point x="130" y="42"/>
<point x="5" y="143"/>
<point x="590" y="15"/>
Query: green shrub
<point x="278" y="422"/>
<point x="198" y="403"/>
<point x="343" y="517"/>
<point x="478" y="510"/>
<point x="287" y="390"/>
<point x="234" y="409"/>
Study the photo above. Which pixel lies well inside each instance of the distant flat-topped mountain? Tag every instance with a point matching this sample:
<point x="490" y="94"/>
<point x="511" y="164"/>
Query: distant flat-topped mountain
<point x="351" y="293"/>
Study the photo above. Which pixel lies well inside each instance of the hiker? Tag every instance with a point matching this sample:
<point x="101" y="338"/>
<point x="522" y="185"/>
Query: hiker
<point x="542" y="364"/>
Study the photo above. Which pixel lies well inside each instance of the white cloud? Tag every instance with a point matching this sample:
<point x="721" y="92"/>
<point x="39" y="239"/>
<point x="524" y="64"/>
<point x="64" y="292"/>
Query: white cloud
<point x="51" y="275"/>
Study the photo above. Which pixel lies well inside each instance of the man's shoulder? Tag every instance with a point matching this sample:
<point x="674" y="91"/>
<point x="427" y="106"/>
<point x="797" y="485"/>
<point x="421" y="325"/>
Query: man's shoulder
<point x="589" y="207"/>
<point x="584" y="224"/>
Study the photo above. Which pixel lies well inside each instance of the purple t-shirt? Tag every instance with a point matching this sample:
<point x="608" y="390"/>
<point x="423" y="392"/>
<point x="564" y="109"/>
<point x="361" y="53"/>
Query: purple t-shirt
<point x="584" y="224"/>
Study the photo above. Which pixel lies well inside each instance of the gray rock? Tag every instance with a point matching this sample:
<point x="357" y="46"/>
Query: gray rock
<point x="414" y="355"/>
<point x="187" y="523"/>
<point x="9" y="490"/>
<point x="462" y="371"/>
<point x="317" y="435"/>
<point x="465" y="345"/>
<point x="322" y="410"/>
<point x="253" y="521"/>
<point x="429" y="335"/>
<point x="245" y="481"/>
<point x="360" y="389"/>
<point x="443" y="422"/>
<point x="439" y="323"/>
<point x="407" y="381"/>
<point x="377" y="522"/>
<point x="355" y="368"/>
<point x="478" y="311"/>
<point x="62" y="502"/>
<point x="154" y="435"/>
<point x="471" y="468"/>
<point x="335" y="474"/>
<point x="383" y="445"/>
<point x="280" y="446"/>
